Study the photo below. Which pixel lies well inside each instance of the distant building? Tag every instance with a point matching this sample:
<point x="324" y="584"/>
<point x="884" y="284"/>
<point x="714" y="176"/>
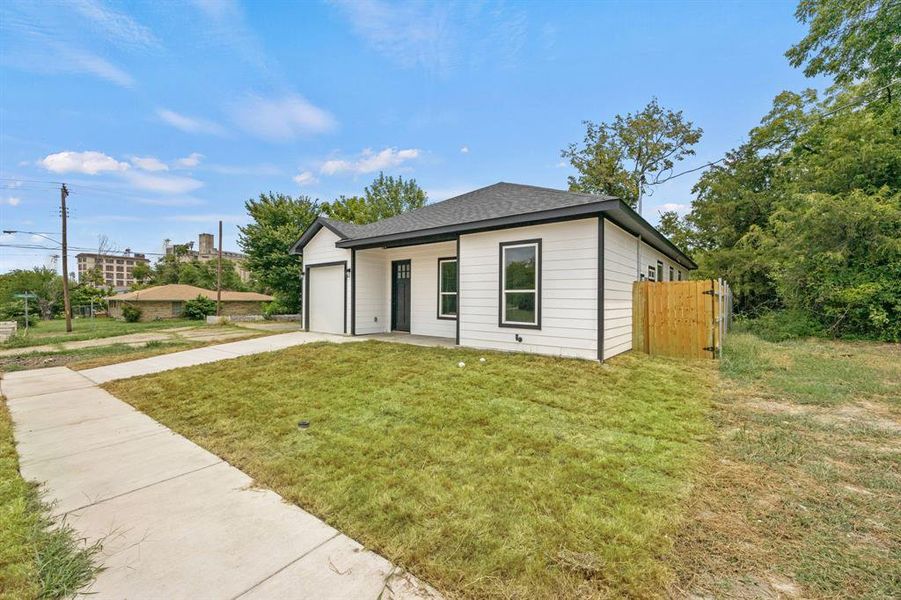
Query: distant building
<point x="206" y="251"/>
<point x="117" y="270"/>
<point x="168" y="301"/>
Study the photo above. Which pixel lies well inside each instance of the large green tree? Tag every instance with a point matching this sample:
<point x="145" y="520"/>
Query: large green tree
<point x="628" y="156"/>
<point x="44" y="283"/>
<point x="386" y="196"/>
<point x="851" y="40"/>
<point x="277" y="222"/>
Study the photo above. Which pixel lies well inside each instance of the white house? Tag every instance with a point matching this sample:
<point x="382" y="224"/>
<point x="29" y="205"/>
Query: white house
<point x="505" y="267"/>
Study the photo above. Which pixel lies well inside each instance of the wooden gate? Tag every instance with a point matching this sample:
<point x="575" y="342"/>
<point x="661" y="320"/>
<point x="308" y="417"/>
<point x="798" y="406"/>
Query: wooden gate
<point x="683" y="319"/>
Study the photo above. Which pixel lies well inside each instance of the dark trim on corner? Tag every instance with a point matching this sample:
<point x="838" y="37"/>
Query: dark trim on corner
<point x="500" y="285"/>
<point x="306" y="283"/>
<point x="601" y="278"/>
<point x="438" y="314"/>
<point x="459" y="305"/>
<point x="353" y="292"/>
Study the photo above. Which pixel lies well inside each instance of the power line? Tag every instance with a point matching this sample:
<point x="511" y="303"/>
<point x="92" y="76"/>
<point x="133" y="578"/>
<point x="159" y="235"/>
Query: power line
<point x="791" y="132"/>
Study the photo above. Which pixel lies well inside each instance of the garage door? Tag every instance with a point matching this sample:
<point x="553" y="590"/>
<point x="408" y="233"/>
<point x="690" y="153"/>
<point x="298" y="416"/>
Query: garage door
<point x="327" y="299"/>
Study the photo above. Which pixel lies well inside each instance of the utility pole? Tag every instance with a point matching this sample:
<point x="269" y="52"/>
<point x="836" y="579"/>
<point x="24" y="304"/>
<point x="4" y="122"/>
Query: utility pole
<point x="64" y="213"/>
<point x="219" y="275"/>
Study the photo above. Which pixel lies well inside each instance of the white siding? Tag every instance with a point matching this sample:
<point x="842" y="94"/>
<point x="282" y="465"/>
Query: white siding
<point x="424" y="295"/>
<point x="372" y="290"/>
<point x="619" y="273"/>
<point x="568" y="290"/>
<point x="620" y="270"/>
<point x="322" y="249"/>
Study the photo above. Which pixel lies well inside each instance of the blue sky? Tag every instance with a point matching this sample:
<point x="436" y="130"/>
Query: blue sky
<point x="164" y="117"/>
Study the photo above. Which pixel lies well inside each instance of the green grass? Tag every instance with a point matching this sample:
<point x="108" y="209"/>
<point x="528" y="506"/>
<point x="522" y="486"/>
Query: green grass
<point x="519" y="477"/>
<point x="37" y="558"/>
<point x="804" y="490"/>
<point x="54" y="332"/>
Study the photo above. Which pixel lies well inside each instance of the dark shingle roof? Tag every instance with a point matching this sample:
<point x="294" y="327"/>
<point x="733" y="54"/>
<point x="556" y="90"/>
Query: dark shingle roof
<point x="498" y="205"/>
<point x="492" y="202"/>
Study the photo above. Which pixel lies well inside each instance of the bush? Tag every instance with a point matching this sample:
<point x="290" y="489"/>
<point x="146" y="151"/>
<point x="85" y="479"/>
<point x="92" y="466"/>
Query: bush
<point x="276" y="307"/>
<point x="15" y="311"/>
<point x="781" y="325"/>
<point x="131" y="313"/>
<point x="200" y="308"/>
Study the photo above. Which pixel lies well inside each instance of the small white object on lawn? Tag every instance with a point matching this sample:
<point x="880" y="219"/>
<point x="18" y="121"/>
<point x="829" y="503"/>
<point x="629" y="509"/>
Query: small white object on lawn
<point x="482" y="359"/>
<point x="461" y="364"/>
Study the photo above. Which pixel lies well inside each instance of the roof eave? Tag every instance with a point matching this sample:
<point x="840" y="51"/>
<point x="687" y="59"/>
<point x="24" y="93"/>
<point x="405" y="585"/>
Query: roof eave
<point x="311" y="231"/>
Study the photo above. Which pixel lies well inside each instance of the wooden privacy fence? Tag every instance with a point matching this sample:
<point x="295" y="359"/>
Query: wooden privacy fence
<point x="683" y="319"/>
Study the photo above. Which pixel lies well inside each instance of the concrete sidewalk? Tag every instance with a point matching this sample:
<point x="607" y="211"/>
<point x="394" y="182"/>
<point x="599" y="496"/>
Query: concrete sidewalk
<point x="177" y="521"/>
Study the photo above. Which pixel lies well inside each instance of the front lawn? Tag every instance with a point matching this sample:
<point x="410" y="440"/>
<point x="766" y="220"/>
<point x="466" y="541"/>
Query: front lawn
<point x="522" y="476"/>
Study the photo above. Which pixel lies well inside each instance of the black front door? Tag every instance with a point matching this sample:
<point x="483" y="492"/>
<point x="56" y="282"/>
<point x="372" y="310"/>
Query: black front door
<point x="400" y="295"/>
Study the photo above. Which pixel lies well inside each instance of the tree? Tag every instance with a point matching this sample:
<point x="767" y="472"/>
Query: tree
<point x="278" y="221"/>
<point x="46" y="284"/>
<point x="141" y="272"/>
<point x="852" y="40"/>
<point x="633" y="153"/>
<point x="384" y="197"/>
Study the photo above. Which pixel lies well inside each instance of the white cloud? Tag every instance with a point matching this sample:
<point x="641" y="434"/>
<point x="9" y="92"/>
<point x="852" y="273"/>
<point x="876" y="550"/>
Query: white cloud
<point x="189" y="124"/>
<point x="11" y="201"/>
<point x="149" y="163"/>
<point x="305" y="178"/>
<point x="167" y="184"/>
<point x="281" y="119"/>
<point x="438" y="36"/>
<point x="369" y="161"/>
<point x="82" y="61"/>
<point x="117" y="26"/>
<point x="192" y="160"/>
<point x="87" y="163"/>
<point x="679" y="208"/>
<point x="464" y="150"/>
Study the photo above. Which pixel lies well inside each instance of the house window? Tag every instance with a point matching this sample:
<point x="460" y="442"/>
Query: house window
<point x="520" y="297"/>
<point x="679" y="275"/>
<point x="652" y="273"/>
<point x="671" y="278"/>
<point x="659" y="271"/>
<point x="447" y="288"/>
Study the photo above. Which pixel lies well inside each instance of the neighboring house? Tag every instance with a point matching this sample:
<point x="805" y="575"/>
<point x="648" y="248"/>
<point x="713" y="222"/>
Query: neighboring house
<point x="505" y="267"/>
<point x="206" y="251"/>
<point x="168" y="301"/>
<point x="117" y="269"/>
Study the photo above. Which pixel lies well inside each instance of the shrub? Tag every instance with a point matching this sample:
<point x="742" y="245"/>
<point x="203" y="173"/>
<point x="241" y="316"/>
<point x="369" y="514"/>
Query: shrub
<point x="276" y="307"/>
<point x="15" y="311"/>
<point x="131" y="313"/>
<point x="200" y="308"/>
<point x="781" y="325"/>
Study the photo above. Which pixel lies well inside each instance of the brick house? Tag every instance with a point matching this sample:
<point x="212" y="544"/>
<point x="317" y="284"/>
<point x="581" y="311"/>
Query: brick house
<point x="168" y="301"/>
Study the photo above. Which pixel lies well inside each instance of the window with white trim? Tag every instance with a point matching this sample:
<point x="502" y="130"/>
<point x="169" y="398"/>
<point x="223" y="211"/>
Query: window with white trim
<point x="447" y="288"/>
<point x="652" y="273"/>
<point x="520" y="277"/>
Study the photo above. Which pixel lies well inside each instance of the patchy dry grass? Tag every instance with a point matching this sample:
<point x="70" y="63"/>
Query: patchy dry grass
<point x="54" y="331"/>
<point x="520" y="477"/>
<point x="38" y="559"/>
<point x="802" y="494"/>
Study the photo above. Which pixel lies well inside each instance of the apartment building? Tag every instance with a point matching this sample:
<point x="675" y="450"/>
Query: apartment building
<point x="117" y="269"/>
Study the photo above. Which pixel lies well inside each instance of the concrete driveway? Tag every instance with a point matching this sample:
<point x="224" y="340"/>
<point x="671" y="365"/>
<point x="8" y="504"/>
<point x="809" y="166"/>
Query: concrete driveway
<point x="177" y="521"/>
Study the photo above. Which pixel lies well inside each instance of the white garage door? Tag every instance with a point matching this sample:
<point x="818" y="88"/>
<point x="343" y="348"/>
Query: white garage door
<point x="326" y="299"/>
